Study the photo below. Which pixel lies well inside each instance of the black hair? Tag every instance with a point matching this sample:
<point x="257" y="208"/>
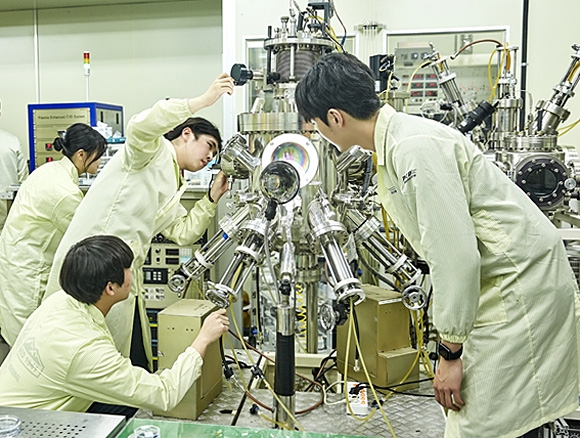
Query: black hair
<point x="81" y="136"/>
<point x="92" y="263"/>
<point x="340" y="81"/>
<point x="199" y="126"/>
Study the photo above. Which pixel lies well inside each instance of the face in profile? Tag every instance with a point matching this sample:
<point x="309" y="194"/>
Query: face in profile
<point x="329" y="134"/>
<point x="198" y="152"/>
<point x="94" y="166"/>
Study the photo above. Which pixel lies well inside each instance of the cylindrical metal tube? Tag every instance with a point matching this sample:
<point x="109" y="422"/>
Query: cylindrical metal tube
<point x="285" y="365"/>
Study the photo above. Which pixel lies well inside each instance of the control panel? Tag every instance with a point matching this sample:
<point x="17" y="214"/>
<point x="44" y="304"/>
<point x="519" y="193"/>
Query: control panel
<point x="472" y="77"/>
<point x="163" y="259"/>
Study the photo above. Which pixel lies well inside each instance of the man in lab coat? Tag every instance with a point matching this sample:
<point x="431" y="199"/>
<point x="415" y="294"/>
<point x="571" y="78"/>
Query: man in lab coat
<point x="13" y="167"/>
<point x="65" y="359"/>
<point x="137" y="195"/>
<point x="504" y="295"/>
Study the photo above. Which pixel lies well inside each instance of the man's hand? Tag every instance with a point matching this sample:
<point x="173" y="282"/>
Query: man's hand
<point x="215" y="325"/>
<point x="218" y="187"/>
<point x="223" y="84"/>
<point x="447" y="383"/>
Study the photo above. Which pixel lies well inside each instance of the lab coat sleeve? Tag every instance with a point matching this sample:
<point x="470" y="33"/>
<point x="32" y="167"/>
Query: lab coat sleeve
<point x="64" y="210"/>
<point x="433" y="191"/>
<point x="189" y="227"/>
<point x="100" y="373"/>
<point x="21" y="166"/>
<point x="145" y="130"/>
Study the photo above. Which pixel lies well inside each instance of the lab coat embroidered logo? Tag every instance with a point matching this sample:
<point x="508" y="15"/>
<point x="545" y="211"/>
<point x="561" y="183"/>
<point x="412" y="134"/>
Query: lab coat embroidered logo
<point x="30" y="358"/>
<point x="409" y="175"/>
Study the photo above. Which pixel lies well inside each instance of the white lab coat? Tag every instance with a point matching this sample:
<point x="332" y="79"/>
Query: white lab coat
<point x="502" y="284"/>
<point x="13" y="168"/>
<point x="136" y="196"/>
<point x="39" y="217"/>
<point x="65" y="359"/>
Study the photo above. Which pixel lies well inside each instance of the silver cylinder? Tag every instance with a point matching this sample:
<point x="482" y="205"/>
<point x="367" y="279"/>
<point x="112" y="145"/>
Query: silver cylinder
<point x="282" y="416"/>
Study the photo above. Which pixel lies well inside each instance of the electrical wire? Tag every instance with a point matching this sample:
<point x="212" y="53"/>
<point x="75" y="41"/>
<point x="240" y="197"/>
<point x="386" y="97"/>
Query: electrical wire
<point x="243" y="400"/>
<point x="375" y="273"/>
<point x="325" y="389"/>
<point x="301" y="317"/>
<point x="566" y="129"/>
<point x="266" y="383"/>
<point x="350" y="328"/>
<point x="503" y="59"/>
<point x="328" y="30"/>
<point x="248" y="346"/>
<point x="321" y="370"/>
<point x="341" y="23"/>
<point x="485" y="40"/>
<point x="424" y="64"/>
<point x="573" y="71"/>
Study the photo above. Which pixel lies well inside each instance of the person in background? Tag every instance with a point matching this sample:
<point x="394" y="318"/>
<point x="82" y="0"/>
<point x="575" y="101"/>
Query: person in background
<point x="41" y="213"/>
<point x="13" y="167"/>
<point x="65" y="358"/>
<point x="137" y="196"/>
<point x="505" y="300"/>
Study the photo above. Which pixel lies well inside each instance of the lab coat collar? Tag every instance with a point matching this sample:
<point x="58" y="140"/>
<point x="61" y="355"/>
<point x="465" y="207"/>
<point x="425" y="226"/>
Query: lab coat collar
<point x="180" y="179"/>
<point x="70" y="168"/>
<point x="381" y="127"/>
<point x="92" y="311"/>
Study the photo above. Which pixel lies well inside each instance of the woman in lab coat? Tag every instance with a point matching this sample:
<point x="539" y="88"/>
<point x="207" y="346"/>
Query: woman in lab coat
<point x="138" y="195"/>
<point x="41" y="213"/>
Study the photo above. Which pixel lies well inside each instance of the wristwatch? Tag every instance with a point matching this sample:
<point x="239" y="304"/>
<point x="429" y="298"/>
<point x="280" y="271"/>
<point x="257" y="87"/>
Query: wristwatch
<point x="444" y="351"/>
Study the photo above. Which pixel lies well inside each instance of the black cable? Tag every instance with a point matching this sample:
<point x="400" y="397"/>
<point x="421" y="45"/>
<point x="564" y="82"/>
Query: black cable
<point x="411" y="394"/>
<point x="228" y="373"/>
<point x="375" y="272"/>
<point x="244" y="395"/>
<point x="426" y="317"/>
<point x="357" y="332"/>
<point x="524" y="62"/>
<point x="390" y="388"/>
<point x="320" y="378"/>
<point x="412" y="382"/>
<point x="367" y="179"/>
<point x="231" y="360"/>
<point x="342" y="24"/>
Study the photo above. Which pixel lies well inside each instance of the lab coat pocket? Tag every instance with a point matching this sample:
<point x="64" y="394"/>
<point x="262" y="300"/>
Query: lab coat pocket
<point x="491" y="309"/>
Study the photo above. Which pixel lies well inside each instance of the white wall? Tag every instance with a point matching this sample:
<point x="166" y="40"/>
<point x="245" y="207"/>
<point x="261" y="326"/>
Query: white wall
<point x="16" y="72"/>
<point x="139" y="53"/>
<point x="551" y="32"/>
<point x="143" y="52"/>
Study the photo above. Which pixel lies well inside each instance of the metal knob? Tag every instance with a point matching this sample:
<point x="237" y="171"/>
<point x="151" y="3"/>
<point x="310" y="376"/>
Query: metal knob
<point x="241" y="74"/>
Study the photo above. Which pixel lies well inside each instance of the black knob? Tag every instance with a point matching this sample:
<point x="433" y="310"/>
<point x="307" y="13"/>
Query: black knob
<point x="241" y="74"/>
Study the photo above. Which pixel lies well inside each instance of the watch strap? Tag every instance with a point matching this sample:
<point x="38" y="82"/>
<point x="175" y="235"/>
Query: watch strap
<point x="447" y="354"/>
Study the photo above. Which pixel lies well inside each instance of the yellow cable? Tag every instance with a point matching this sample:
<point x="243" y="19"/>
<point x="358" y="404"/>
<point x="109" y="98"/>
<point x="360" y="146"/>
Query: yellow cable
<point x="573" y="71"/>
<point x="566" y="129"/>
<point x="345" y="378"/>
<point x="499" y="70"/>
<point x="277" y="423"/>
<point x="290" y="414"/>
<point x="331" y="33"/>
<point x="197" y="289"/>
<point x="300" y="315"/>
<point x="350" y="330"/>
<point x="237" y="363"/>
<point x="411" y="80"/>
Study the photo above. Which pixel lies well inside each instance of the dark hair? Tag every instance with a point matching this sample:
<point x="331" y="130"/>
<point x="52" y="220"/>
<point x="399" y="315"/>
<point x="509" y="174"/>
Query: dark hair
<point x="340" y="81"/>
<point x="81" y="136"/>
<point x="93" y="262"/>
<point x="199" y="126"/>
